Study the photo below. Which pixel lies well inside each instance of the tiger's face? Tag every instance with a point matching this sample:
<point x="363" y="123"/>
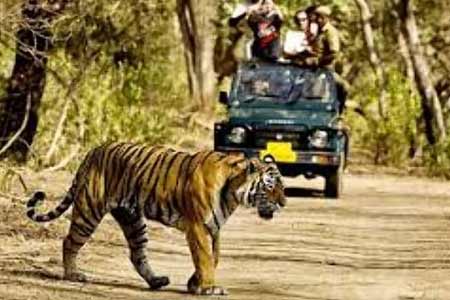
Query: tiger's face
<point x="270" y="196"/>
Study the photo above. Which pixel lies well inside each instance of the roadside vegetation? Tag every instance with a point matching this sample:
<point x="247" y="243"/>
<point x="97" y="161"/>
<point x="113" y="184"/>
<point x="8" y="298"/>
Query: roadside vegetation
<point x="129" y="70"/>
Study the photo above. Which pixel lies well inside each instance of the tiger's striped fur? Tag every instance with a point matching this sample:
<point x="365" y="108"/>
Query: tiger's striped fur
<point x="195" y="193"/>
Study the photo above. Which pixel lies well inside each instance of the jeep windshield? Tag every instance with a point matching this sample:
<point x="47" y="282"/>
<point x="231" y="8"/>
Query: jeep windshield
<point x="279" y="83"/>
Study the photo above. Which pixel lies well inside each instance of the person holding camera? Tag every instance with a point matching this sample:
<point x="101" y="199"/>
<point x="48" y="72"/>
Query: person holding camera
<point x="265" y="20"/>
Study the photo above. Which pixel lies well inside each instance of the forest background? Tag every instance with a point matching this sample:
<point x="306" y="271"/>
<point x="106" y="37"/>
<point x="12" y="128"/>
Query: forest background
<point x="74" y="74"/>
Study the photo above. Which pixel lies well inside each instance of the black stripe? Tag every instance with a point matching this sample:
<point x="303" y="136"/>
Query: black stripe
<point x="91" y="204"/>
<point x="109" y="154"/>
<point x="51" y="215"/>
<point x="221" y="156"/>
<point x="83" y="232"/>
<point x="128" y="153"/>
<point x="195" y="167"/>
<point x="138" y="244"/>
<point x="205" y="158"/>
<point x="181" y="172"/>
<point x="99" y="156"/>
<point x="235" y="163"/>
<point x="40" y="218"/>
<point x="88" y="222"/>
<point x="138" y="156"/>
<point x="134" y="167"/>
<point x="115" y="158"/>
<point x="171" y="187"/>
<point x="157" y="178"/>
<point x="68" y="199"/>
<point x="170" y="210"/>
<point x="118" y="167"/>
<point x="33" y="201"/>
<point x="129" y="171"/>
<point x="72" y="241"/>
<point x="216" y="221"/>
<point x="31" y="213"/>
<point x="168" y="169"/>
<point x="62" y="207"/>
<point x="189" y="173"/>
<point x="152" y="167"/>
<point x="139" y="231"/>
<point x="159" y="211"/>
<point x="160" y="177"/>
<point x="224" y="199"/>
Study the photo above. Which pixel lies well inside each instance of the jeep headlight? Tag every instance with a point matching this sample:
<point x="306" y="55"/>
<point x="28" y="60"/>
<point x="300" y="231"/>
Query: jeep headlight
<point x="319" y="139"/>
<point x="237" y="135"/>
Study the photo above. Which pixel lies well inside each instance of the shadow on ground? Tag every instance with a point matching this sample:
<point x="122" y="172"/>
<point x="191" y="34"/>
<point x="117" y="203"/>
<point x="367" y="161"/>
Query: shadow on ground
<point x="303" y="192"/>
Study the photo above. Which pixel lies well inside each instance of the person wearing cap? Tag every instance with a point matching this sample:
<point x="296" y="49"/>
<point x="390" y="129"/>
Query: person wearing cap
<point x="327" y="43"/>
<point x="326" y="48"/>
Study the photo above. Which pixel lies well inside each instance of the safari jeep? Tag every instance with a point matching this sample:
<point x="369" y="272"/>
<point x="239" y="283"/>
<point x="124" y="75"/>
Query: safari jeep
<point x="289" y="115"/>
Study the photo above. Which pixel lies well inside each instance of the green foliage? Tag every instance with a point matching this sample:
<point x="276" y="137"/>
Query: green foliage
<point x="392" y="140"/>
<point x="121" y="71"/>
<point x="117" y="73"/>
<point x="437" y="160"/>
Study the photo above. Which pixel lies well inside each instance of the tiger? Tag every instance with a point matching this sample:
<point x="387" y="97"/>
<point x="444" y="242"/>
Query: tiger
<point x="193" y="192"/>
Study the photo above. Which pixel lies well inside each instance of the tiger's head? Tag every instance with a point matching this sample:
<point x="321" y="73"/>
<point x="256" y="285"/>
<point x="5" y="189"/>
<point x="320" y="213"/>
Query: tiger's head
<point x="265" y="188"/>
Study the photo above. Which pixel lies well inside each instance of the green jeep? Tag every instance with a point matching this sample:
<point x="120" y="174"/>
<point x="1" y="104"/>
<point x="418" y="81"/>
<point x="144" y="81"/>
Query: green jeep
<point x="286" y="114"/>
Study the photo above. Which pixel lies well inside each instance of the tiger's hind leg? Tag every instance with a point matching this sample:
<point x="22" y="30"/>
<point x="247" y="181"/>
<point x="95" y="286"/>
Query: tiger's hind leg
<point x="134" y="229"/>
<point x="83" y="225"/>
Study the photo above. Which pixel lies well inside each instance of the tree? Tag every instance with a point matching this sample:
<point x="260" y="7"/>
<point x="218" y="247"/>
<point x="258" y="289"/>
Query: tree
<point x="196" y="20"/>
<point x="435" y="130"/>
<point x="19" y="109"/>
<point x="374" y="59"/>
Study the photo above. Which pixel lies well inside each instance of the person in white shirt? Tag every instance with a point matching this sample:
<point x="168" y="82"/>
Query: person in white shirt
<point x="298" y="42"/>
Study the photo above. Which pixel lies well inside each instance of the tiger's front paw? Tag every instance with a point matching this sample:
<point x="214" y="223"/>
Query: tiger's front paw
<point x="193" y="284"/>
<point x="212" y="291"/>
<point x="158" y="282"/>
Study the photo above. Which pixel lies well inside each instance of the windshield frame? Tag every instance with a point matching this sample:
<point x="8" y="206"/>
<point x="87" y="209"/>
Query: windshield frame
<point x="235" y="99"/>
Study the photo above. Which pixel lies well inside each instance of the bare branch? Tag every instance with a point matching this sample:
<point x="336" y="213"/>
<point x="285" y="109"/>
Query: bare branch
<point x="22" y="126"/>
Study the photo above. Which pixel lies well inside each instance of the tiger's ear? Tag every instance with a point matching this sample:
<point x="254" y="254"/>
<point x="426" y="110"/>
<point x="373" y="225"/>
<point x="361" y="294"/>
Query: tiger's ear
<point x="255" y="165"/>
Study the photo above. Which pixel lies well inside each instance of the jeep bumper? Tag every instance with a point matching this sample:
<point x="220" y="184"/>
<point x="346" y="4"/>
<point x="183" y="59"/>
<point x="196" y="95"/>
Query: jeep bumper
<point x="306" y="162"/>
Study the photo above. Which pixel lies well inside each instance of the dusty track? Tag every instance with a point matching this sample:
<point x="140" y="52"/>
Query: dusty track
<point x="387" y="238"/>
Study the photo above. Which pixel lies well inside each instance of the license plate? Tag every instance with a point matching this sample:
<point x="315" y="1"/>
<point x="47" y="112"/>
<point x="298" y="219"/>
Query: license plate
<point x="281" y="152"/>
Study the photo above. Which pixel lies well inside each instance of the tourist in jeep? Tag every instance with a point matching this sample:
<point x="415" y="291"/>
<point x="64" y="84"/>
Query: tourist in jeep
<point x="327" y="44"/>
<point x="265" y="20"/>
<point x="297" y="43"/>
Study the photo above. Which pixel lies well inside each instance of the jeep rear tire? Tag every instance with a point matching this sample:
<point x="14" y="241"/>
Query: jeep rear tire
<point x="334" y="181"/>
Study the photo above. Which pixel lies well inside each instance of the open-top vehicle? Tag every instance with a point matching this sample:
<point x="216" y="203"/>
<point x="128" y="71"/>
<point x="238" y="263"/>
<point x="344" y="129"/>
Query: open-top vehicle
<point x="286" y="114"/>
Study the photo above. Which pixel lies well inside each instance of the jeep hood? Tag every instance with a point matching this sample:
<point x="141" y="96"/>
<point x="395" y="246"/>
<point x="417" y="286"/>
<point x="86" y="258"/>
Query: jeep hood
<point x="309" y="118"/>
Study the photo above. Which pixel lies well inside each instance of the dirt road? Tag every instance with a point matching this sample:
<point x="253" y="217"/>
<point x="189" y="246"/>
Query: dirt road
<point x="387" y="238"/>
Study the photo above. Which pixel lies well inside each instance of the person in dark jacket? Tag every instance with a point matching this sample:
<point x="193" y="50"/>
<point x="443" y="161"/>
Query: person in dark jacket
<point x="265" y="20"/>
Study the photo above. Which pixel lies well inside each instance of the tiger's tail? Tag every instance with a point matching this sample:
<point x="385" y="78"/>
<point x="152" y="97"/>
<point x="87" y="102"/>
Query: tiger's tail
<point x="69" y="198"/>
<point x="38" y="198"/>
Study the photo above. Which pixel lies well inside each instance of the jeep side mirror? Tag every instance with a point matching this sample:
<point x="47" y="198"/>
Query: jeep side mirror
<point x="223" y="97"/>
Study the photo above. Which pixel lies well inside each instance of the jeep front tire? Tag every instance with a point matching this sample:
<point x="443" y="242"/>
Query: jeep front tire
<point x="334" y="181"/>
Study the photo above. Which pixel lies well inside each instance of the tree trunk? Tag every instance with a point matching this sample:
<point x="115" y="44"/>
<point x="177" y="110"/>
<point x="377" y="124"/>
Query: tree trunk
<point x="431" y="107"/>
<point x="27" y="82"/>
<point x="413" y="139"/>
<point x="374" y="59"/>
<point x="196" y="19"/>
